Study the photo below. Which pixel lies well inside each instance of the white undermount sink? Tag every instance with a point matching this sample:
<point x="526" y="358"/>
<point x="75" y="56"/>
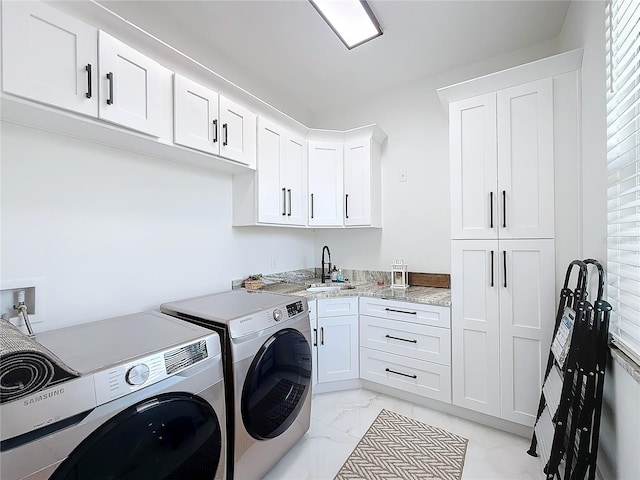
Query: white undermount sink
<point x="327" y="287"/>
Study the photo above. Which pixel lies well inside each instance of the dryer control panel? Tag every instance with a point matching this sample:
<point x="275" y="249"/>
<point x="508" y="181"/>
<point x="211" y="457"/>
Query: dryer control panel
<point x="256" y="322"/>
<point x="128" y="377"/>
<point x="294" y="309"/>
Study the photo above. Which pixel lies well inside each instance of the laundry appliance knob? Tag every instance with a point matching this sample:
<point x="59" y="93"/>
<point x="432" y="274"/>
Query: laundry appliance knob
<point x="137" y="375"/>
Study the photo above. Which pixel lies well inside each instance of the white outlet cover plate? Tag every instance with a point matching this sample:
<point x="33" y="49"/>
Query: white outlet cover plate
<point x="37" y="283"/>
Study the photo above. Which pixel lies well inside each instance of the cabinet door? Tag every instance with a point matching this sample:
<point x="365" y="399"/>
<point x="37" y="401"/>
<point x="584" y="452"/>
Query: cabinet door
<point x="195" y="115"/>
<point x="272" y="199"/>
<point x="293" y="177"/>
<point x="314" y="351"/>
<point x="325" y="183"/>
<point x="473" y="153"/>
<point x="49" y="56"/>
<point x="357" y="183"/>
<point x="475" y="325"/>
<point x="525" y="160"/>
<point x="238" y="133"/>
<point x="135" y="91"/>
<point x="527" y="317"/>
<point x="338" y="348"/>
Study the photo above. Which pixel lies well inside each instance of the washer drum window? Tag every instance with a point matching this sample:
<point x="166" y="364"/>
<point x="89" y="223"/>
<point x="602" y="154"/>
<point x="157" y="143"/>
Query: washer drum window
<point x="277" y="384"/>
<point x="175" y="436"/>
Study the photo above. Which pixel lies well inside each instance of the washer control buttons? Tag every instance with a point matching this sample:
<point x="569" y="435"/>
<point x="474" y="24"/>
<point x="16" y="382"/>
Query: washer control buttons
<point x="294" y="309"/>
<point x="277" y="314"/>
<point x="137" y="375"/>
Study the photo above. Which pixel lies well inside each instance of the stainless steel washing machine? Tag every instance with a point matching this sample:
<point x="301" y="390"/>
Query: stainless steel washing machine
<point x="149" y="404"/>
<point x="266" y="346"/>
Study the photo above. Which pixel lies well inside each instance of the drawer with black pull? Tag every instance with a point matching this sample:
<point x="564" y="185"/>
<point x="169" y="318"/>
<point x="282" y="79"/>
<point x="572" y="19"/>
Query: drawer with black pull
<point x="422" y="342"/>
<point x="433" y="315"/>
<point x="415" y="376"/>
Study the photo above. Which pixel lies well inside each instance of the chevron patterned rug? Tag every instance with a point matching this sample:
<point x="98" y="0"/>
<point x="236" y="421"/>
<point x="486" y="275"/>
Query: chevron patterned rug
<point x="397" y="447"/>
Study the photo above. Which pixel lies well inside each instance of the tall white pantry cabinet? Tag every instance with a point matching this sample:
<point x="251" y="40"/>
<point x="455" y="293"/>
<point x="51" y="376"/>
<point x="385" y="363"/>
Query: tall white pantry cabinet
<point x="502" y="249"/>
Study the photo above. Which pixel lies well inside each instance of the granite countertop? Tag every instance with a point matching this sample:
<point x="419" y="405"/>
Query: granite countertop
<point x="425" y="295"/>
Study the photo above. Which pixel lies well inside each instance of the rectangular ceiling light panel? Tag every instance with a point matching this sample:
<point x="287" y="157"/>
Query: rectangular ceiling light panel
<point x="352" y="20"/>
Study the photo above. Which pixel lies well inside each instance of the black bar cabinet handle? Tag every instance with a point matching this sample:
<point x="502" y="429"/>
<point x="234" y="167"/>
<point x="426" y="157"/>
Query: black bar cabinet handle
<point x="321" y="335"/>
<point x="225" y="135"/>
<point x="492" y="268"/>
<point x="400" y="311"/>
<point x="110" y="78"/>
<point x="88" y="70"/>
<point x="215" y="131"/>
<point x="346" y="205"/>
<point x="504" y="209"/>
<point x="504" y="260"/>
<point x="315" y="337"/>
<point x="491" y="208"/>
<point x="403" y="339"/>
<point x="312" y="205"/>
<point x="289" y="193"/>
<point x="284" y="201"/>
<point x="400" y="373"/>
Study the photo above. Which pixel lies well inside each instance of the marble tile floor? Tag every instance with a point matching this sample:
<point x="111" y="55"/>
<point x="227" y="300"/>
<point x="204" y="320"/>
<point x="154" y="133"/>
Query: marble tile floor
<point x="340" y="419"/>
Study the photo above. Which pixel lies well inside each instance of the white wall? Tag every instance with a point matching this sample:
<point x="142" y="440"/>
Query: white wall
<point x="619" y="454"/>
<point x="108" y="232"/>
<point x="416" y="214"/>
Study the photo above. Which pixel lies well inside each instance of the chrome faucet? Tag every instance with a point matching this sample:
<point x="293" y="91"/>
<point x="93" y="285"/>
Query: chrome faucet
<point x="328" y="275"/>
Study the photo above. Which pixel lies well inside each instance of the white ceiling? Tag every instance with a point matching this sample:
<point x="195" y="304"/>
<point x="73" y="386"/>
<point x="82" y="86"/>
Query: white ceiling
<point x="284" y="52"/>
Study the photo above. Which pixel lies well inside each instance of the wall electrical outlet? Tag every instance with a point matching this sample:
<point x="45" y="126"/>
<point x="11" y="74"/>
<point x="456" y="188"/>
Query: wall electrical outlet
<point x="403" y="175"/>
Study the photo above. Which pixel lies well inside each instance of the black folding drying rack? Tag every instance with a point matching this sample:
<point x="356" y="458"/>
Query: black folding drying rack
<point x="568" y="422"/>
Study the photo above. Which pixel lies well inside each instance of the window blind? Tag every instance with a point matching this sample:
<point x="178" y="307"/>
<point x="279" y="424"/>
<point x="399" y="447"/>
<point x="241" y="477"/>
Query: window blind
<point x="623" y="173"/>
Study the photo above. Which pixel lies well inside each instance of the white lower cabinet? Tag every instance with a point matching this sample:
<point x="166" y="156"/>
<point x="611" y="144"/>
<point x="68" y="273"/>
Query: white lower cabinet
<point x="404" y="373"/>
<point x="503" y="309"/>
<point x="406" y="346"/>
<point x="314" y="342"/>
<point x="335" y="340"/>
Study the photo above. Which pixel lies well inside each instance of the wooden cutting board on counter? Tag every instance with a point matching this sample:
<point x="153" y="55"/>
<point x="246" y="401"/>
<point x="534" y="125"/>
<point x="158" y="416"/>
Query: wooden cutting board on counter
<point x="441" y="280"/>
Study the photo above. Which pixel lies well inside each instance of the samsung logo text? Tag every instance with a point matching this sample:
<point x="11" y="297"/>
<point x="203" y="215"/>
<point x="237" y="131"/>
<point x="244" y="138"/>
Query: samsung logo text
<point x="43" y="396"/>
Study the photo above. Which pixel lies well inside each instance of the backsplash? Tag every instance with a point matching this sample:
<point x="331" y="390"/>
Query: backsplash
<point x="310" y="274"/>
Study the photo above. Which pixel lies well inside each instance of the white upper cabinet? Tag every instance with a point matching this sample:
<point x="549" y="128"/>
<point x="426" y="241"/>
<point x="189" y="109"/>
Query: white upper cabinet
<point x="501" y="147"/>
<point x="525" y="160"/>
<point x="195" y="120"/>
<point x="209" y="122"/>
<point x="357" y="183"/>
<point x="135" y="91"/>
<point x="49" y="57"/>
<point x="282" y="175"/>
<point x="293" y="177"/>
<point x="474" y="167"/>
<point x="325" y="184"/>
<point x="237" y="132"/>
<point x="345" y="179"/>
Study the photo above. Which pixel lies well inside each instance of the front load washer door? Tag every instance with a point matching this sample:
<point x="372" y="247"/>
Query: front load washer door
<point x="174" y="436"/>
<point x="277" y="384"/>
